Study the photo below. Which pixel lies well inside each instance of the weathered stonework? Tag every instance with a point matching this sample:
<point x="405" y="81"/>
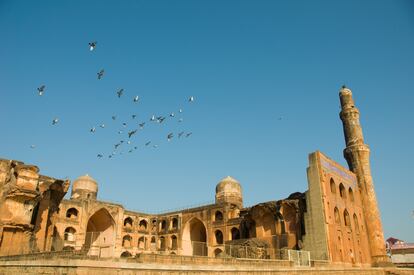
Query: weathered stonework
<point x="336" y="219"/>
<point x="28" y="206"/>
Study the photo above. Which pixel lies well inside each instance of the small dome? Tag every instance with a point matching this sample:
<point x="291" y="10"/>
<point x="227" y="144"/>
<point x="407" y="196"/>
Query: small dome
<point x="85" y="182"/>
<point x="228" y="184"/>
<point x="229" y="190"/>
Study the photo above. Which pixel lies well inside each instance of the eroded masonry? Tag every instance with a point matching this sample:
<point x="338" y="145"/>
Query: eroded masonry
<point x="336" y="219"/>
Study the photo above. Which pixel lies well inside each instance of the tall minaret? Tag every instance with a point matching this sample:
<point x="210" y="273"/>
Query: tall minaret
<point x="357" y="155"/>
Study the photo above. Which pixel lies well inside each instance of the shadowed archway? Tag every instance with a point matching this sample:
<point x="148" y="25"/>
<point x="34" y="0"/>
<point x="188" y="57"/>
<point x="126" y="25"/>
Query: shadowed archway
<point x="195" y="238"/>
<point x="99" y="240"/>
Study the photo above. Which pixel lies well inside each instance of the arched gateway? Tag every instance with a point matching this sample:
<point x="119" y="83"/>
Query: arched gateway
<point x="194" y="238"/>
<point x="99" y="240"/>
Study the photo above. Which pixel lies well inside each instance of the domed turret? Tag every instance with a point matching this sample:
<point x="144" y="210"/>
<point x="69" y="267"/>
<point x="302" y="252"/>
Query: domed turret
<point x="84" y="187"/>
<point x="228" y="190"/>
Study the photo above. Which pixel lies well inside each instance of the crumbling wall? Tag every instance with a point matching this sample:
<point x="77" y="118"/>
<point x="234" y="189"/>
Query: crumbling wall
<point x="28" y="203"/>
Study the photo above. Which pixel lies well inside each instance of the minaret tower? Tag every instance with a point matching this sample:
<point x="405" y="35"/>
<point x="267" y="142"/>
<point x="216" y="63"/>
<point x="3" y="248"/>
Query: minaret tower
<point x="357" y="155"/>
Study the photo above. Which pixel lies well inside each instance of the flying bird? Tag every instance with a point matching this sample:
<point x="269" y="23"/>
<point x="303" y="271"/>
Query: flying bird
<point x="180" y="134"/>
<point x="160" y="119"/>
<point x="120" y="92"/>
<point x="180" y="111"/>
<point x="41" y="90"/>
<point x="92" y="130"/>
<point x="134" y="116"/>
<point x="148" y="143"/>
<point x="172" y="115"/>
<point x="136" y="98"/>
<point x="120" y="132"/>
<point x="92" y="45"/>
<point x="191" y="99"/>
<point x="180" y="120"/>
<point x="32" y="146"/>
<point x="102" y="125"/>
<point x="141" y="125"/>
<point x="155" y="146"/>
<point x="129" y="142"/>
<point x="152" y="118"/>
<point x="188" y="134"/>
<point x="130" y="151"/>
<point x="170" y="136"/>
<point x="101" y="73"/>
<point x="116" y="146"/>
<point x="131" y="133"/>
<point x="113" y="117"/>
<point x="55" y="121"/>
<point x="124" y="124"/>
<point x="99" y="155"/>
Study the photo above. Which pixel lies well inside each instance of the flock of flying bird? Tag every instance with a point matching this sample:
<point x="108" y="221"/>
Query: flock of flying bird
<point x="130" y="133"/>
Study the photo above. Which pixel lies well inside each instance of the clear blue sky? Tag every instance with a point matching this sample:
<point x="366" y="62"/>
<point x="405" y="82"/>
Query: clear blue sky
<point x="247" y="63"/>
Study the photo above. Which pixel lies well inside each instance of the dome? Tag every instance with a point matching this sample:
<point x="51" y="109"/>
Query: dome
<point x="228" y="184"/>
<point x="229" y="190"/>
<point x="85" y="182"/>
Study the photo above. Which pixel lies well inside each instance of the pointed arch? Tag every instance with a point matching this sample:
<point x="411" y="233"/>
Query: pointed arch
<point x="194" y="238"/>
<point x="100" y="233"/>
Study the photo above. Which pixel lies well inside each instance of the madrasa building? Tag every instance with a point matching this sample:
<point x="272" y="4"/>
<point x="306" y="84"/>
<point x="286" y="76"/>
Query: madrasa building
<point x="336" y="219"/>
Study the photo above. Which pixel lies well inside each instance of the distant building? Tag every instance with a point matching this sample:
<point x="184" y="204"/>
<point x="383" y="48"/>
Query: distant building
<point x="402" y="253"/>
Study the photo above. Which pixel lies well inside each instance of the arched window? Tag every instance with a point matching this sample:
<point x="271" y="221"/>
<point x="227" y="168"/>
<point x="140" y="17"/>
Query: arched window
<point x="342" y="191"/>
<point x="333" y="186"/>
<point x="337" y="216"/>
<point x="174" y="223"/>
<point x="128" y="222"/>
<point x="161" y="241"/>
<point x="143" y="225"/>
<point x="173" y="242"/>
<point x="127" y="241"/>
<point x="141" y="243"/>
<point x="346" y="218"/>
<point x="218" y="216"/>
<point x="72" y="213"/>
<point x="126" y="254"/>
<point x="356" y="224"/>
<point x="235" y="233"/>
<point x="351" y="194"/>
<point x="218" y="252"/>
<point x="69" y="234"/>
<point x="219" y="237"/>
<point x="153" y="243"/>
<point x="163" y="225"/>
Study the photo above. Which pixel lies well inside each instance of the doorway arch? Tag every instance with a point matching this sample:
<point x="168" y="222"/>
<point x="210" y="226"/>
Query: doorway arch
<point x="99" y="239"/>
<point x="195" y="238"/>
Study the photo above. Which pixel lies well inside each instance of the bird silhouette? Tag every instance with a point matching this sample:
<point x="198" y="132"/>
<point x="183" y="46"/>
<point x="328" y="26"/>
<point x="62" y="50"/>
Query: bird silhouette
<point x="101" y="73"/>
<point x="41" y="90"/>
<point x="55" y="121"/>
<point x="120" y="92"/>
<point x="92" y="45"/>
<point x="131" y="133"/>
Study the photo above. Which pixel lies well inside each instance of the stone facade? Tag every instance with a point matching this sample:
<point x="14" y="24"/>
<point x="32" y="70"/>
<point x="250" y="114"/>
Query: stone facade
<point x="336" y="219"/>
<point x="28" y="205"/>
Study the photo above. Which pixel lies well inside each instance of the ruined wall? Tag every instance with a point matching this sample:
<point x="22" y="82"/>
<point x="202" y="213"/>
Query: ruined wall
<point x="28" y="206"/>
